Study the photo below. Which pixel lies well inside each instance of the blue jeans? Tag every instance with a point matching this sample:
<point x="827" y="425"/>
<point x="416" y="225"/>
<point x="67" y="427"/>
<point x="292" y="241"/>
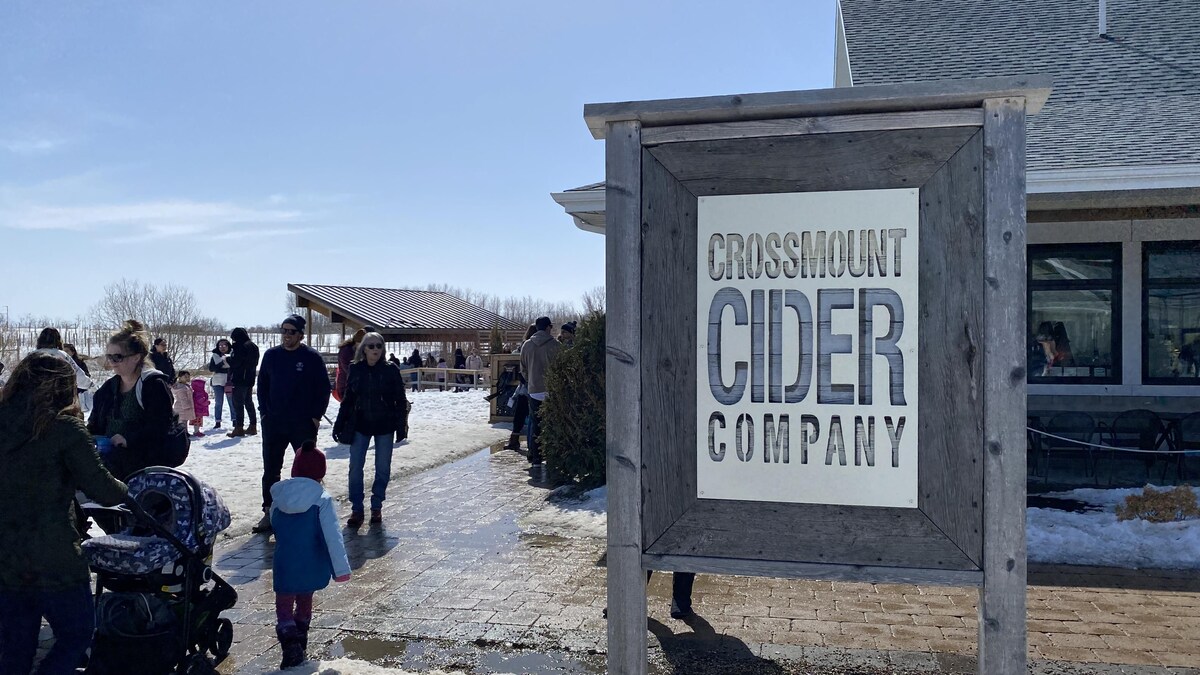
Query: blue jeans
<point x="383" y="469"/>
<point x="71" y="616"/>
<point x="535" y="428"/>
<point x="219" y="393"/>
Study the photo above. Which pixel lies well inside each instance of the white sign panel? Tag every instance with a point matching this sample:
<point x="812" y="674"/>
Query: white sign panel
<point x="807" y="347"/>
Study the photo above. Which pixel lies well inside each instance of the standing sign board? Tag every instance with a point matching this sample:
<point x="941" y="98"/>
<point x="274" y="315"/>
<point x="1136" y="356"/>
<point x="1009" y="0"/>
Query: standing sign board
<point x="815" y="342"/>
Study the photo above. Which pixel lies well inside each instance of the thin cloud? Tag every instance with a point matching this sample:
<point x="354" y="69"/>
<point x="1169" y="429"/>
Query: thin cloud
<point x="153" y="219"/>
<point x="32" y="145"/>
<point x="238" y="235"/>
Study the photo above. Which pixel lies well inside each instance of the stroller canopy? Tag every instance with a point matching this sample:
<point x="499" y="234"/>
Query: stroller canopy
<point x="188" y="508"/>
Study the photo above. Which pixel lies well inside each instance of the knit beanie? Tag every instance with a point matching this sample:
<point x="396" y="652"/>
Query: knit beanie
<point x="309" y="462"/>
<point x="297" y="322"/>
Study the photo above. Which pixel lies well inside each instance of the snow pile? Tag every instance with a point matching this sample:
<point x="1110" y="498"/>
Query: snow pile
<point x="568" y="514"/>
<point x="352" y="667"/>
<point x="443" y="426"/>
<point x="1054" y="536"/>
<point x="1098" y="538"/>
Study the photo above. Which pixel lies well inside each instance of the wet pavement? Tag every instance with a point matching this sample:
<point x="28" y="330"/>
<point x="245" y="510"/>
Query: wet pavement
<point x="450" y="581"/>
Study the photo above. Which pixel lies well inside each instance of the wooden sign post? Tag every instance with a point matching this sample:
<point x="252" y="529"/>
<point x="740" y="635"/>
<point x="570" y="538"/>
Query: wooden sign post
<point x="815" y="358"/>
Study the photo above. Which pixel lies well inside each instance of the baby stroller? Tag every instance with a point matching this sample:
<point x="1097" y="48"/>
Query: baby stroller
<point x="158" y="600"/>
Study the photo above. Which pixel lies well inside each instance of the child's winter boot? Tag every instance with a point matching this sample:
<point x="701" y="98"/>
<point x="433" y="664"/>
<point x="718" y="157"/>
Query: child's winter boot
<point x="293" y="649"/>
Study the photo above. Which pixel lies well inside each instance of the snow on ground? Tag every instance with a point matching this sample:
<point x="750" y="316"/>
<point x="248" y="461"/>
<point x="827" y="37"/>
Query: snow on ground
<point x="1054" y="536"/>
<point x="1098" y="538"/>
<point x="352" y="667"/>
<point x="443" y="426"/>
<point x="568" y="514"/>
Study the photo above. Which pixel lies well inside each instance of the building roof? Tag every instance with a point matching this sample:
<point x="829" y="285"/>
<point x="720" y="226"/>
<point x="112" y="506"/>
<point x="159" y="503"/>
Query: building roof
<point x="1130" y="98"/>
<point x="400" y="313"/>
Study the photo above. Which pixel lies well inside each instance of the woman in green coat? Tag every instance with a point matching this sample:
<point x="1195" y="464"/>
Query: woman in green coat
<point x="46" y="454"/>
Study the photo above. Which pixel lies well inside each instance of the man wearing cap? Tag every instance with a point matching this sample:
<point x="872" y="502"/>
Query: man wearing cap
<point x="536" y="355"/>
<point x="293" y="392"/>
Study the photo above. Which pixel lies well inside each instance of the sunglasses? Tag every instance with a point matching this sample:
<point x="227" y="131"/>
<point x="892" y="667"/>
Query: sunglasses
<point x="374" y="345"/>
<point x="116" y="358"/>
<point x="289" y="331"/>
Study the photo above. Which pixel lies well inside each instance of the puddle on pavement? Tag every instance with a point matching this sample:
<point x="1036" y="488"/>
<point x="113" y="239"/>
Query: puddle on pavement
<point x="424" y="655"/>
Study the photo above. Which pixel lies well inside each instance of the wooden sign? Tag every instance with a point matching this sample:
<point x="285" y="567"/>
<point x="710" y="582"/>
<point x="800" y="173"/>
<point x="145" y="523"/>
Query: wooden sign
<point x="815" y="343"/>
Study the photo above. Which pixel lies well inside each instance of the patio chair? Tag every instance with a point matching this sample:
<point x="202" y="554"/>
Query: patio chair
<point x="1033" y="446"/>
<point x="1186" y="438"/>
<point x="1139" y="429"/>
<point x="1073" y="429"/>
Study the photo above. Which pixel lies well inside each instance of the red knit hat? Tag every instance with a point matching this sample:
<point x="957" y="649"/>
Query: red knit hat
<point x="309" y="462"/>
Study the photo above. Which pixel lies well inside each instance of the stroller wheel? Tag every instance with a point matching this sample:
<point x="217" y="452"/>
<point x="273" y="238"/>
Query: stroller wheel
<point x="222" y="639"/>
<point x="198" y="664"/>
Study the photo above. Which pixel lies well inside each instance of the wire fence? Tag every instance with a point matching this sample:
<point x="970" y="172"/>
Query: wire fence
<point x="189" y="349"/>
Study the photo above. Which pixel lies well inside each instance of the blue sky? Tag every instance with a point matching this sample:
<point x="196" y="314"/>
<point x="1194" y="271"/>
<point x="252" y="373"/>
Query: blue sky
<point x="235" y="147"/>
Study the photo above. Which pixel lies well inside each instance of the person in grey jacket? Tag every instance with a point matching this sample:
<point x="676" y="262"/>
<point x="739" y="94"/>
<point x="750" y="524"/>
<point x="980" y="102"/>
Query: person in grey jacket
<point x="536" y="355"/>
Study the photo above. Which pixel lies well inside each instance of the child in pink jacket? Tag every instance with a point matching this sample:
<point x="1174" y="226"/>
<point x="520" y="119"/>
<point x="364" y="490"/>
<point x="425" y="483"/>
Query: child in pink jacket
<point x="200" y="402"/>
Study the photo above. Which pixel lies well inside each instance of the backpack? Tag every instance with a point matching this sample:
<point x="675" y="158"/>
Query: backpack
<point x="176" y="445"/>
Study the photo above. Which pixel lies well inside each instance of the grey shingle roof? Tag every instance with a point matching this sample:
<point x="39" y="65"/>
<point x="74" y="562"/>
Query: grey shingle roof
<point x="1129" y="99"/>
<point x="398" y="310"/>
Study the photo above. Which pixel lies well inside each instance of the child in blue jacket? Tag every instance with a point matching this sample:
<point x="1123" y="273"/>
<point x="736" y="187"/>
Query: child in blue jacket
<point x="308" y="549"/>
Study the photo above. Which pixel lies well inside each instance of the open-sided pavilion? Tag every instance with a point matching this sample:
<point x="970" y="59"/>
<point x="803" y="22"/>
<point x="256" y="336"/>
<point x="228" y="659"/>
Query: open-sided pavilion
<point x="403" y="315"/>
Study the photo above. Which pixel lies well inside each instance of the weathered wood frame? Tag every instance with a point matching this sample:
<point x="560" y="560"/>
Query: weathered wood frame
<point x="962" y="144"/>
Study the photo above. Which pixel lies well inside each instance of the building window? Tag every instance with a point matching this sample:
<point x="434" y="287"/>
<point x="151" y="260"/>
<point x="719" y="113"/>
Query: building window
<point x="1074" y="314"/>
<point x="1171" y="312"/>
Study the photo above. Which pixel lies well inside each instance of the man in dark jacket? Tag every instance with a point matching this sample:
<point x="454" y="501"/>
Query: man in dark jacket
<point x="243" y="363"/>
<point x="293" y="392"/>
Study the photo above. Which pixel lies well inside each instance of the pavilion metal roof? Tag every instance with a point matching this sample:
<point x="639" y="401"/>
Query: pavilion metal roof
<point x="398" y="312"/>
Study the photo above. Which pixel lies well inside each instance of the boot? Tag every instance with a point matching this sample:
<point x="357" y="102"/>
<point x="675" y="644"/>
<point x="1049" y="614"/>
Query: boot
<point x="514" y="442"/>
<point x="291" y="645"/>
<point x="252" y="430"/>
<point x="263" y="525"/>
<point x="236" y="433"/>
<point x="302" y="626"/>
<point x="376" y="516"/>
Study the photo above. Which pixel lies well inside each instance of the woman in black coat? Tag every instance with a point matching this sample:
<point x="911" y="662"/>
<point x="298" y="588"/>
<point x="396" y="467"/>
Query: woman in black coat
<point x="162" y="360"/>
<point x="134" y="408"/>
<point x="375" y="407"/>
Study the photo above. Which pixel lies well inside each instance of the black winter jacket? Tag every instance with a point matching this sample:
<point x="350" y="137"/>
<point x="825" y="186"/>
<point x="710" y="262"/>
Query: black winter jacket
<point x="163" y="363"/>
<point x="243" y="364"/>
<point x="144" y="444"/>
<point x="375" y="402"/>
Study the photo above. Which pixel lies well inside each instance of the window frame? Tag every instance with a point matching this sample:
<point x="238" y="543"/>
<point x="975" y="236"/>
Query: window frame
<point x="1149" y="248"/>
<point x="1113" y="285"/>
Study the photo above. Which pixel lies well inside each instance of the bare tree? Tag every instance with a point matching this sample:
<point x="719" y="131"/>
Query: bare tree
<point x="593" y="300"/>
<point x="169" y="311"/>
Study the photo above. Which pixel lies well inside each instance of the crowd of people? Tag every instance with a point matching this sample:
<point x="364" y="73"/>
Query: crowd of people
<point x="137" y="417"/>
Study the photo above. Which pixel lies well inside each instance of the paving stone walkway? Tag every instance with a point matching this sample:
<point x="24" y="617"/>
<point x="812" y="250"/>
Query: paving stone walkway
<point x="451" y="566"/>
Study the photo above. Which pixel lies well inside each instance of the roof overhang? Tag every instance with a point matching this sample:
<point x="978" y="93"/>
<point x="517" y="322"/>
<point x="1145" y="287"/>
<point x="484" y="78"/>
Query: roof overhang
<point x="585" y="206"/>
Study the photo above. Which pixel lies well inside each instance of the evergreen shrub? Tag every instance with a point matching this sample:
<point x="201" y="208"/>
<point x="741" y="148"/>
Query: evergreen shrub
<point x="572" y="418"/>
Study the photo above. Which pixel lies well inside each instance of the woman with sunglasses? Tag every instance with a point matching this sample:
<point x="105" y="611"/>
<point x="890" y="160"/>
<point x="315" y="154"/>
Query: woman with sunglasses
<point x="47" y="455"/>
<point x="375" y="407"/>
<point x="134" y="408"/>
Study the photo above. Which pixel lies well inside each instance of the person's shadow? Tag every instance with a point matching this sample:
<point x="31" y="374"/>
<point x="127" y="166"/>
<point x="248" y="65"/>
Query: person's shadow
<point x="705" y="650"/>
<point x="367" y="542"/>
